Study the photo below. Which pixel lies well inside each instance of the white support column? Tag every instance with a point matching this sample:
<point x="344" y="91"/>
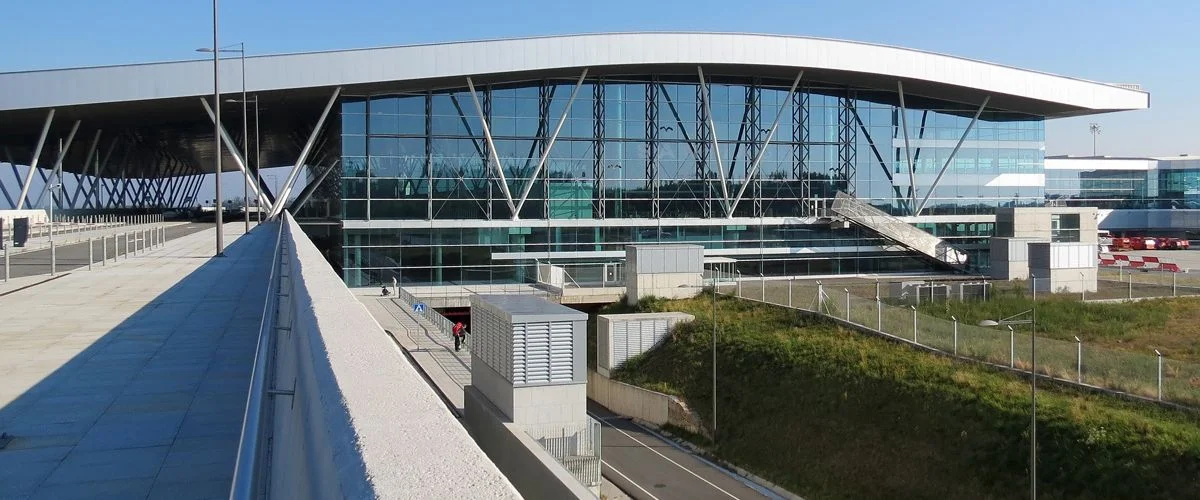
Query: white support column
<point x="495" y="159"/>
<point x="716" y="145"/>
<point x="281" y="198"/>
<point x="37" y="153"/>
<point x="546" y="154"/>
<point x="237" y="155"/>
<point x="950" y="158"/>
<point x="912" y="175"/>
<point x="766" y="142"/>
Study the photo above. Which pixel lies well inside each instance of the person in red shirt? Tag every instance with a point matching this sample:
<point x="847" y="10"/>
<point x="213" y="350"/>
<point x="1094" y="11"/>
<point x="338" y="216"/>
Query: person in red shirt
<point x="460" y="335"/>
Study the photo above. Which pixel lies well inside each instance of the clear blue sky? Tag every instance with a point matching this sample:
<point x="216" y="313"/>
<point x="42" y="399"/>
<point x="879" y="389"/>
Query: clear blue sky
<point x="1151" y="43"/>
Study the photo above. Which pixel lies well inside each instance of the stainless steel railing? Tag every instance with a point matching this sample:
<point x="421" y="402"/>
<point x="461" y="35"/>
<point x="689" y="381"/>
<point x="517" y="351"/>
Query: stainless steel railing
<point x="247" y="471"/>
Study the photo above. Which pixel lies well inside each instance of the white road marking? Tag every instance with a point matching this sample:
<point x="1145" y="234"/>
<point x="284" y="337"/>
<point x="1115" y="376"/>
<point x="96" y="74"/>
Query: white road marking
<point x="614" y="469"/>
<point x="664" y="457"/>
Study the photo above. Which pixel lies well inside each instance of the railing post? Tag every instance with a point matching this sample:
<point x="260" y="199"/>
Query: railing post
<point x="127" y="245"/>
<point x="91" y="254"/>
<point x="878" y="314"/>
<point x="6" y="273"/>
<point x="1078" y="360"/>
<point x="104" y="250"/>
<point x="1012" y="348"/>
<point x="955" y="320"/>
<point x="847" y="304"/>
<point x="914" y="311"/>
<point x="1160" y="357"/>
<point x="53" y="259"/>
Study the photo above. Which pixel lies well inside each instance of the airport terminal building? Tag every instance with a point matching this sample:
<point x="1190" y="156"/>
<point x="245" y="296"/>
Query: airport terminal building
<point x="470" y="163"/>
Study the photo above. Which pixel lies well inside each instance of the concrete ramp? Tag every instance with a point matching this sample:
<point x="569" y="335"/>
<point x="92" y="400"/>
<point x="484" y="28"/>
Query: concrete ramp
<point x="900" y="232"/>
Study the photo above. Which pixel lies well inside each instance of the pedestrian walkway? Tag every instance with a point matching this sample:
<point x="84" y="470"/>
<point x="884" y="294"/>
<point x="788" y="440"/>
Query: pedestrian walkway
<point x="432" y="349"/>
<point x="130" y="381"/>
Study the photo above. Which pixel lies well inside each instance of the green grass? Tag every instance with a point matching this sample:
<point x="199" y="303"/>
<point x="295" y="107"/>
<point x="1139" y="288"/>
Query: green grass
<point x="1169" y="325"/>
<point x="829" y="413"/>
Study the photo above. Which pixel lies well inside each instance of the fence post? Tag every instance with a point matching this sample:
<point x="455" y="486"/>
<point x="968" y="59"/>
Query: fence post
<point x="6" y="261"/>
<point x="790" y="281"/>
<point x="1173" y="285"/>
<point x="1078" y="360"/>
<point x="878" y="314"/>
<point x="53" y="259"/>
<point x="91" y="254"/>
<point x="955" y="320"/>
<point x="847" y="304"/>
<point x="914" y="311"/>
<point x="820" y="298"/>
<point x="1012" y="348"/>
<point x="127" y="245"/>
<point x="1131" y="286"/>
<point x="763" y="281"/>
<point x="1159" y="354"/>
<point x="104" y="250"/>
<point x="1082" y="288"/>
<point x="739" y="284"/>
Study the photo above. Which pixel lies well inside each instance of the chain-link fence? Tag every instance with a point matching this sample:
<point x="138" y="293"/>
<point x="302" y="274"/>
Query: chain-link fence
<point x="1140" y="374"/>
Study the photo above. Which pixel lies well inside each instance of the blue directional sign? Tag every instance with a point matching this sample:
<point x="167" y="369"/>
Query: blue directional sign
<point x="419" y="307"/>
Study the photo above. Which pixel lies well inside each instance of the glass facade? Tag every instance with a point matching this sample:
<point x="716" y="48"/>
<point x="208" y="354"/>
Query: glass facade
<point x="422" y="199"/>
<point x="1132" y="183"/>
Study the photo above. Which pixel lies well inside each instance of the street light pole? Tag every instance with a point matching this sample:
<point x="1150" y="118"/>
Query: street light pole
<point x="245" y="140"/>
<point x="217" y="133"/>
<point x="258" y="162"/>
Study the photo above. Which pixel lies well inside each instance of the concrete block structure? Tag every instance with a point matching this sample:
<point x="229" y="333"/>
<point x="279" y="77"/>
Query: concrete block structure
<point x="1063" y="267"/>
<point x="528" y="358"/>
<point x="620" y="337"/>
<point x="1063" y="235"/>
<point x="668" y="271"/>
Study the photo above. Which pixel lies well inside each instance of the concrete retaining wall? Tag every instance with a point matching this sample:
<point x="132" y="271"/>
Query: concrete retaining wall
<point x="363" y="423"/>
<point x="643" y="404"/>
<point x="530" y="468"/>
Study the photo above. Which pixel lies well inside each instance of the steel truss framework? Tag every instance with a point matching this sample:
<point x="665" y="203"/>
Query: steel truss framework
<point x="512" y="185"/>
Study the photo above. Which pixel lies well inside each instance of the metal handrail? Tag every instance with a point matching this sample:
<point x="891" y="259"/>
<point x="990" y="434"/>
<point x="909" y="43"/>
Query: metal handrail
<point x="246" y="469"/>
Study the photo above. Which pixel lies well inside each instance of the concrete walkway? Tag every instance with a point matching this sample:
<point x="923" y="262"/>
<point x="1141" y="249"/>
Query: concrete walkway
<point x="130" y="381"/>
<point x="434" y="352"/>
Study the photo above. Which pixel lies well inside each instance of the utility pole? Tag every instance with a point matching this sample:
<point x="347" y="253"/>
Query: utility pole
<point x="1094" y="128"/>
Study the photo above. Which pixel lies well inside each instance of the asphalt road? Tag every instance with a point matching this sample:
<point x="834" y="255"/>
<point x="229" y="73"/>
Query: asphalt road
<point x="648" y="468"/>
<point x="76" y="255"/>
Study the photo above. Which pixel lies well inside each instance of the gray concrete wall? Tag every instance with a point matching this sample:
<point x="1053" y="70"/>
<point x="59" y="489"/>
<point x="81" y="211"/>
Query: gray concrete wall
<point x="532" y="470"/>
<point x="363" y="423"/>
<point x="646" y="405"/>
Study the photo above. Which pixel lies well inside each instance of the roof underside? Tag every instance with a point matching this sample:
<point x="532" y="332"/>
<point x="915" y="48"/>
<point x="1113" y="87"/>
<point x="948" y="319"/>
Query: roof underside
<point x="157" y="105"/>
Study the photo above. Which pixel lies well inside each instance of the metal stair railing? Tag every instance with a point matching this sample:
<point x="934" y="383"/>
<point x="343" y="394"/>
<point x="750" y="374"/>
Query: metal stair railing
<point x="897" y="230"/>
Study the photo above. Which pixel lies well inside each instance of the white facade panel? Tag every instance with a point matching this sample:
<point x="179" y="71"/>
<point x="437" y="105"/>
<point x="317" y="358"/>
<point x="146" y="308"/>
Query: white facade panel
<point x="39" y="89"/>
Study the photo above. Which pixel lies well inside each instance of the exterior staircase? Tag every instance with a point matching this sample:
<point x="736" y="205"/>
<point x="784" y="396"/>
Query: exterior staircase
<point x="900" y="232"/>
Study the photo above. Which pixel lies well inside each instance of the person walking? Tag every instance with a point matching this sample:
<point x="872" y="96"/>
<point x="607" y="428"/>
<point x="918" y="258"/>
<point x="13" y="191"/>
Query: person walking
<point x="460" y="335"/>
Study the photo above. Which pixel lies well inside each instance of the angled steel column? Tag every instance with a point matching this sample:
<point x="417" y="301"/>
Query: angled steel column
<point x="87" y="162"/>
<point x="102" y="165"/>
<point x="598" y="167"/>
<point x="553" y="137"/>
<point x="487" y="135"/>
<point x="234" y="151"/>
<point x="37" y="153"/>
<point x="55" y="170"/>
<point x="801" y="150"/>
<point x="912" y="172"/>
<point x="716" y="145"/>
<point x="950" y="158"/>
<point x="8" y="159"/>
<point x="652" y="148"/>
<point x="312" y="186"/>
<point x="281" y="200"/>
<point x="704" y="144"/>
<point x="766" y="142"/>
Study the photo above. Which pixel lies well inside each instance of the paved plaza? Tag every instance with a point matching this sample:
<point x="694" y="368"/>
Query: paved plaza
<point x="130" y="381"/>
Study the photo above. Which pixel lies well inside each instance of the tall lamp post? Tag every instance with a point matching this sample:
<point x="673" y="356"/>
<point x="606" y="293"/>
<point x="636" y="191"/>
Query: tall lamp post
<point x="1032" y="322"/>
<point x="241" y="50"/>
<point x="217" y="135"/>
<point x="1094" y="128"/>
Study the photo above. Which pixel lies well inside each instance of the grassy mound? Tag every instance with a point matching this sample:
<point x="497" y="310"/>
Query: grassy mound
<point x="1170" y="325"/>
<point x="835" y="414"/>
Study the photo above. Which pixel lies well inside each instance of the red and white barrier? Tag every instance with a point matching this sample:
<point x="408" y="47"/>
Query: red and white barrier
<point x="1138" y="262"/>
